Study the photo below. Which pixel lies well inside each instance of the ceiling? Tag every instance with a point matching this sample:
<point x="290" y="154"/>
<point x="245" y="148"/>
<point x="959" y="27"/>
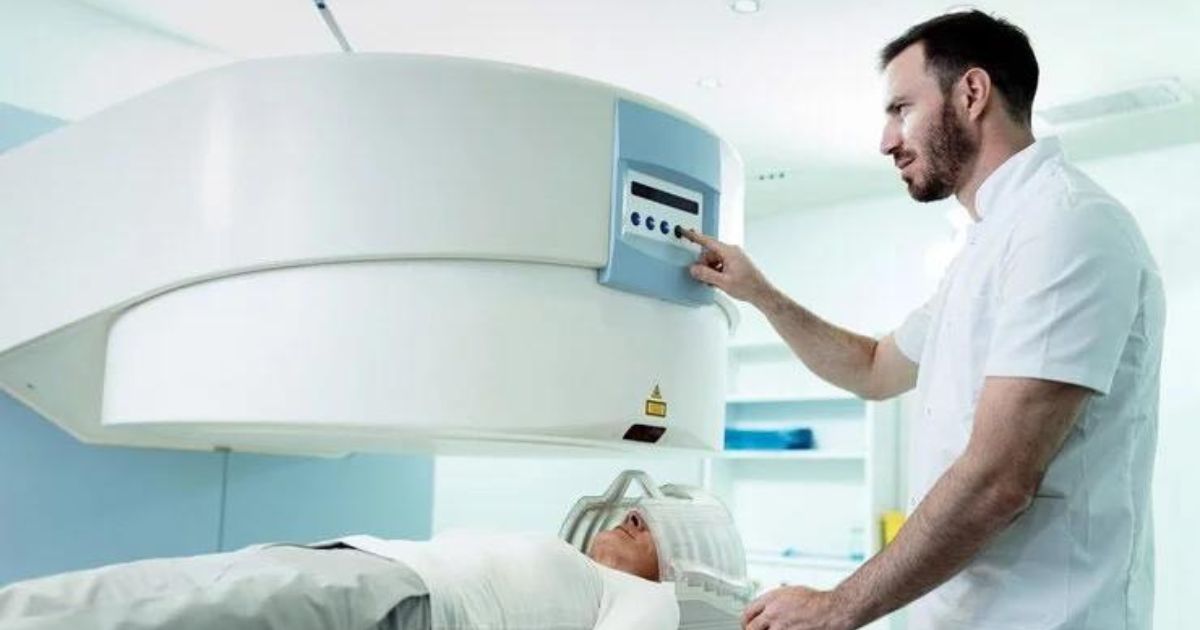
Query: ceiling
<point x="798" y="94"/>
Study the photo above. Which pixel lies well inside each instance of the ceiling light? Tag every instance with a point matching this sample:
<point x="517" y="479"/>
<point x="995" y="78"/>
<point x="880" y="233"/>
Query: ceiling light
<point x="709" y="83"/>
<point x="745" y="6"/>
<point x="1143" y="98"/>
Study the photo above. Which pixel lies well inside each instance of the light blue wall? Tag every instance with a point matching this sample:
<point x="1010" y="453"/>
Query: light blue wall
<point x="309" y="498"/>
<point x="18" y="125"/>
<point x="66" y="505"/>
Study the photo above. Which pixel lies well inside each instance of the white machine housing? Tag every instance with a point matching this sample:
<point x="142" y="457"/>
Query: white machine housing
<point x="355" y="252"/>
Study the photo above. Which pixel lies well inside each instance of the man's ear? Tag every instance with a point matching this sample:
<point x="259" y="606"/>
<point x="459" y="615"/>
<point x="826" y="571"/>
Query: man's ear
<point x="976" y="90"/>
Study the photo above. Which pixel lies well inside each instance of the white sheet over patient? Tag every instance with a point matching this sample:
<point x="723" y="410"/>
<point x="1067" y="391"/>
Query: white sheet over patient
<point x="525" y="582"/>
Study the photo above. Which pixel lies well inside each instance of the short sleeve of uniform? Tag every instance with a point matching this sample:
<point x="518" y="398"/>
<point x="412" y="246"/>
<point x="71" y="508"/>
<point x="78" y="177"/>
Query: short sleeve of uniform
<point x="1069" y="291"/>
<point x="910" y="336"/>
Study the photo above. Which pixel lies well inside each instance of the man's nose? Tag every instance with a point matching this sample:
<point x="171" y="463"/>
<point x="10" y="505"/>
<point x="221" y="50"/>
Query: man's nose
<point x="889" y="140"/>
<point x="636" y="521"/>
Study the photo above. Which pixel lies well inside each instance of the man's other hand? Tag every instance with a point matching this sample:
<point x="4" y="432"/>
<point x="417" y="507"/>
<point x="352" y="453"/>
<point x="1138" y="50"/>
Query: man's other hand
<point x="796" y="608"/>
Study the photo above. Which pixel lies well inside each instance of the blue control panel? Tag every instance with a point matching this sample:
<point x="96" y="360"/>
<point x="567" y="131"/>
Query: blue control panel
<point x="666" y="178"/>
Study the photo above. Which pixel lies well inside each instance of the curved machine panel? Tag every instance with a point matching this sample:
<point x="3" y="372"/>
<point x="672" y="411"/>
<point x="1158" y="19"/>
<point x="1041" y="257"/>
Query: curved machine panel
<point x="365" y="252"/>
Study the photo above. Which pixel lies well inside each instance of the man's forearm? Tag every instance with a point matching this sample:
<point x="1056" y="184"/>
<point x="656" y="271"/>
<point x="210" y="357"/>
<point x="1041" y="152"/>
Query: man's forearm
<point x="964" y="511"/>
<point x="834" y="354"/>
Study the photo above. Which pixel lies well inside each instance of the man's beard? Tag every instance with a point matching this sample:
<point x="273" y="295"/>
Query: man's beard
<point x="949" y="149"/>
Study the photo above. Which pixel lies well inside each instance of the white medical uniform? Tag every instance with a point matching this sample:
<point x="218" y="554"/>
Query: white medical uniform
<point x="1055" y="282"/>
<point x="525" y="582"/>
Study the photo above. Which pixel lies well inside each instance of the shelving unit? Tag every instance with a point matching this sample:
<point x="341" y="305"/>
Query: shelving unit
<point x="803" y="562"/>
<point x="763" y="399"/>
<point x="807" y="517"/>
<point x="807" y="454"/>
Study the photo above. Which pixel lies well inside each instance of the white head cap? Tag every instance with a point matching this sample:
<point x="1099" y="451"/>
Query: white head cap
<point x="697" y="542"/>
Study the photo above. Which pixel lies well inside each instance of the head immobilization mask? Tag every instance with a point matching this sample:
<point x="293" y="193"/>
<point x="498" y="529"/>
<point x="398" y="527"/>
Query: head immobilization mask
<point x="697" y="542"/>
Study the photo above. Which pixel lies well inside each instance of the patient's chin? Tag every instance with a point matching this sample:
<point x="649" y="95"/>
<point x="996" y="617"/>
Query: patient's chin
<point x="603" y="552"/>
<point x="609" y="551"/>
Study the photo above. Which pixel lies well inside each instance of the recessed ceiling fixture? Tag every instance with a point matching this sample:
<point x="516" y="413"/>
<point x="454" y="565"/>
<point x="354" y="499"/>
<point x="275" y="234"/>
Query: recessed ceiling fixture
<point x="709" y="83"/>
<point x="745" y="6"/>
<point x="770" y="176"/>
<point x="1142" y="98"/>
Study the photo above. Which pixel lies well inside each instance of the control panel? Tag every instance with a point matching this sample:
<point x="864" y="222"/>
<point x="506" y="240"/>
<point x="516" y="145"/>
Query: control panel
<point x="666" y="179"/>
<point x="659" y="211"/>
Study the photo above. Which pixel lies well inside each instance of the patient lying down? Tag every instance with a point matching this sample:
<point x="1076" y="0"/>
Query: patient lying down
<point x="456" y="580"/>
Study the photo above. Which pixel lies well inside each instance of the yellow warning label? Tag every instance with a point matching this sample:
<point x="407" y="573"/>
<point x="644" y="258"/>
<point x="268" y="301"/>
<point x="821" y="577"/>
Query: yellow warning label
<point x="655" y="405"/>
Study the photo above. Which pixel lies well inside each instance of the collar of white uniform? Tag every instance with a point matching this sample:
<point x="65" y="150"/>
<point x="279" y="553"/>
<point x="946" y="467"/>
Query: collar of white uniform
<point x="1012" y="174"/>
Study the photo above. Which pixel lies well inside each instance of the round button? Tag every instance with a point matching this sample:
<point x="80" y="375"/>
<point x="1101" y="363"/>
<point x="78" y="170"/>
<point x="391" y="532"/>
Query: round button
<point x="664" y="227"/>
<point x="635" y="218"/>
<point x="678" y="231"/>
<point x="650" y="223"/>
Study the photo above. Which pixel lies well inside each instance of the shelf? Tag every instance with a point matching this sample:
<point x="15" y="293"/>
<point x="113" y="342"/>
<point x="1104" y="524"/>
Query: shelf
<point x="756" y="411"/>
<point x="805" y="562"/>
<point x="796" y="454"/>
<point x="766" y="400"/>
<point x="760" y="347"/>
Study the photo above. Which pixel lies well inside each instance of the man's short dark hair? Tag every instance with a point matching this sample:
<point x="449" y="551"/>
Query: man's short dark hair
<point x="957" y="42"/>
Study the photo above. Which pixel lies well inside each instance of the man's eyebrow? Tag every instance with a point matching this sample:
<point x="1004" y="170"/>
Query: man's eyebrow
<point x="893" y="105"/>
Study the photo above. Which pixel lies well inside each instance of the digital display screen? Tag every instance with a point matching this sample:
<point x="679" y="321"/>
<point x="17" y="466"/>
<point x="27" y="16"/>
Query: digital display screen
<point x="665" y="198"/>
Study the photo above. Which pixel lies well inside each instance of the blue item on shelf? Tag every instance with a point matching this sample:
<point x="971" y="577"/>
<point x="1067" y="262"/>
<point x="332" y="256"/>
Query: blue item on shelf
<point x="750" y="439"/>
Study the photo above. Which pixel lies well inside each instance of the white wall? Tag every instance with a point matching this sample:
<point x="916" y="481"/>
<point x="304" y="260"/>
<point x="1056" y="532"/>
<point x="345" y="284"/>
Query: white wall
<point x="1162" y="189"/>
<point x="865" y="265"/>
<point x="68" y="59"/>
<point x="533" y="495"/>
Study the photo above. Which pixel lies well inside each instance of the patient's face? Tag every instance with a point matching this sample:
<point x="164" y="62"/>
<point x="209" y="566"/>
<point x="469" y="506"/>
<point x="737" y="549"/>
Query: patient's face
<point x="628" y="547"/>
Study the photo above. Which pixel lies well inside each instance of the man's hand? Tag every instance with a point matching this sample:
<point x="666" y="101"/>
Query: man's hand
<point x="729" y="269"/>
<point x="796" y="608"/>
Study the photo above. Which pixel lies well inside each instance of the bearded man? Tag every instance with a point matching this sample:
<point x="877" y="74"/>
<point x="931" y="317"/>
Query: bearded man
<point x="1036" y="363"/>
